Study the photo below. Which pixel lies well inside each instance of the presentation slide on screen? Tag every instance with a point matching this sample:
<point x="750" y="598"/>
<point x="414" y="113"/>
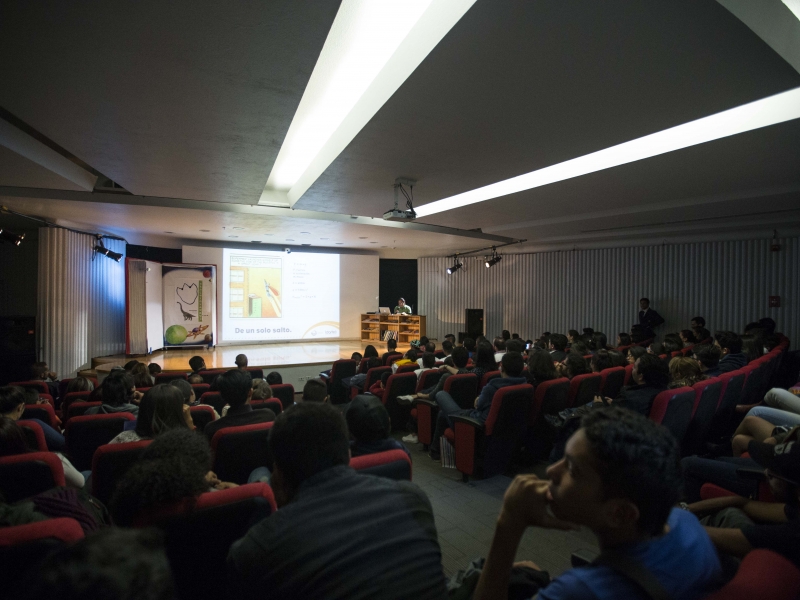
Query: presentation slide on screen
<point x="279" y="296"/>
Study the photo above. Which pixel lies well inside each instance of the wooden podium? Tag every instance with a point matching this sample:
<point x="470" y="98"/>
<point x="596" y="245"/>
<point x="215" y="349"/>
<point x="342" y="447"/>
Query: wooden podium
<point x="408" y="327"/>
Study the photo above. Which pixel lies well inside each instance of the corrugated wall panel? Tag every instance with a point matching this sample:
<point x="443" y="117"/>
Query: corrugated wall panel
<point x="81" y="302"/>
<point x="728" y="283"/>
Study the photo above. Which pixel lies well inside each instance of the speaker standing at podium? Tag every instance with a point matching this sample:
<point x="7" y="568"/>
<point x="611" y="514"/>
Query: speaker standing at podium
<point x="401" y="308"/>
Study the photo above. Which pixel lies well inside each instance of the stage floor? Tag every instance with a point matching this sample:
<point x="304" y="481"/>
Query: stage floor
<point x="266" y="355"/>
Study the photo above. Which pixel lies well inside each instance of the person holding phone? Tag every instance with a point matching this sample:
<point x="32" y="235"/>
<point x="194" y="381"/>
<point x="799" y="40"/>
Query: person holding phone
<point x="401" y="308"/>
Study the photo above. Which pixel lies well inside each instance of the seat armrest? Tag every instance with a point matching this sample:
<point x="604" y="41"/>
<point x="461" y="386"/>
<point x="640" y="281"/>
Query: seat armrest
<point x="479" y="425"/>
<point x="418" y="401"/>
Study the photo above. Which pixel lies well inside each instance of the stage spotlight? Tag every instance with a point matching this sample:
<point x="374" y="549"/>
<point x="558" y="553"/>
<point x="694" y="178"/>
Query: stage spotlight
<point x="109" y="253"/>
<point x="490" y="262"/>
<point x="14" y="238"/>
<point x="456" y="266"/>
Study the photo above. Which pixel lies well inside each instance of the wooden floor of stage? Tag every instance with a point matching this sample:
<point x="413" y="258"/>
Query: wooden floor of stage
<point x="265" y="355"/>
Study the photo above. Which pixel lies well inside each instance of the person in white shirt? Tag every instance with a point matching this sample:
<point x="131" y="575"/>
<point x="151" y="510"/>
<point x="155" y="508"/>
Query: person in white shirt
<point x="428" y="364"/>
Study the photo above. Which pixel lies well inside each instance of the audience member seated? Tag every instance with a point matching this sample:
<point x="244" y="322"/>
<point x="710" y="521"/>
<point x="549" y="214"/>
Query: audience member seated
<point x="141" y="376"/>
<point x="79" y="384"/>
<point x="357" y="381"/>
<point x="452" y="338"/>
<point x="783" y="400"/>
<point x="190" y="398"/>
<point x="40" y="371"/>
<point x="638" y="334"/>
<point x="370" y="427"/>
<point x="540" y="368"/>
<point x="617" y="358"/>
<point x="697" y="323"/>
<point x="197" y="364"/>
<point x="13" y="442"/>
<point x="599" y="341"/>
<point x="235" y="389"/>
<point x="154" y="369"/>
<point x="730" y="344"/>
<point x="409" y="358"/>
<point x="314" y="390"/>
<point x="261" y="390"/>
<point x="511" y="368"/>
<point x="376" y="389"/>
<point x="274" y="378"/>
<point x="672" y="343"/>
<point x="241" y="362"/>
<point x="162" y="408"/>
<point x="460" y="360"/>
<point x="129" y="365"/>
<point x="737" y="524"/>
<point x="703" y="335"/>
<point x="623" y="340"/>
<point x="447" y="348"/>
<point x="759" y="429"/>
<point x="620" y="478"/>
<point x="684" y="372"/>
<point x="111" y="564"/>
<point x="12" y="405"/>
<point x="601" y="360"/>
<point x="633" y="353"/>
<point x="650" y="377"/>
<point x="118" y="394"/>
<point x="506" y="335"/>
<point x="708" y="355"/>
<point x="499" y="348"/>
<point x="687" y="337"/>
<point x="428" y="364"/>
<point x="656" y="348"/>
<point x="195" y="378"/>
<point x="572" y="366"/>
<point x="752" y="347"/>
<point x="391" y="347"/>
<point x="572" y="336"/>
<point x="578" y="348"/>
<point x="470" y="345"/>
<point x="515" y="345"/>
<point x="483" y="362"/>
<point x="338" y="533"/>
<point x="558" y="346"/>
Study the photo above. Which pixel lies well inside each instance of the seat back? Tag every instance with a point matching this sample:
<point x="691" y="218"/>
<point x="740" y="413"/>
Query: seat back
<point x="673" y="409"/>
<point x="25" y="475"/>
<point x="87" y="433"/>
<point x="110" y="463"/>
<point x="43" y="412"/>
<point x="202" y="415"/>
<point x="48" y="398"/>
<point x="487" y="377"/>
<point x="550" y="397"/>
<point x="754" y="387"/>
<point x="271" y="403"/>
<point x="200" y="389"/>
<point x="340" y="370"/>
<point x="762" y="574"/>
<point x="68" y="399"/>
<point x="374" y="375"/>
<point x="211" y="375"/>
<point x="408" y="368"/>
<point x="428" y="379"/>
<point x="612" y="381"/>
<point x="213" y="399"/>
<point x="78" y="409"/>
<point x="628" y="374"/>
<point x="731" y="394"/>
<point x="39" y="386"/>
<point x="198" y="538"/>
<point x="391" y="357"/>
<point x="34" y="435"/>
<point x="707" y="394"/>
<point x="583" y="389"/>
<point x="239" y="450"/>
<point x="394" y="464"/>
<point x="285" y="393"/>
<point x="463" y="388"/>
<point x="167" y="377"/>
<point x="255" y="372"/>
<point x="399" y="384"/>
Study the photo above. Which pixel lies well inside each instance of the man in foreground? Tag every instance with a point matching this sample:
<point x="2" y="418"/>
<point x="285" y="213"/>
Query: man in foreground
<point x="620" y="477"/>
<point x="338" y="533"/>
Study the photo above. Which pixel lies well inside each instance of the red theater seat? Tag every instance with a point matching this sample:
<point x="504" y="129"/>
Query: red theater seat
<point x="109" y="465"/>
<point x="34" y="435"/>
<point x="707" y="395"/>
<point x="340" y="370"/>
<point x="78" y="409"/>
<point x="25" y="475"/>
<point x="87" y="433"/>
<point x="200" y="389"/>
<point x="167" y="377"/>
<point x="762" y="574"/>
<point x="39" y="386"/>
<point x="673" y="409"/>
<point x="239" y="450"/>
<point x="408" y="368"/>
<point x="43" y="412"/>
<point x="612" y="381"/>
<point x="487" y="377"/>
<point x="549" y="398"/>
<point x="255" y="372"/>
<point x="394" y="464"/>
<point x="285" y="393"/>
<point x="272" y="403"/>
<point x="373" y="376"/>
<point x="399" y="384"/>
<point x="583" y="389"/>
<point x="213" y="399"/>
<point x="428" y="379"/>
<point x="202" y="415"/>
<point x="391" y="357"/>
<point x="463" y="388"/>
<point x="71" y="397"/>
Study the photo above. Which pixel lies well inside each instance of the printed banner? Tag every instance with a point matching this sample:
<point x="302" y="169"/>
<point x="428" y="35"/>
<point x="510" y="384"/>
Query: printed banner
<point x="189" y="304"/>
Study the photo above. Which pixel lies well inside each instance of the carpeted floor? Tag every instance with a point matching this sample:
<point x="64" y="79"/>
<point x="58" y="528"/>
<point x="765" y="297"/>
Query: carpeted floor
<point x="466" y="514"/>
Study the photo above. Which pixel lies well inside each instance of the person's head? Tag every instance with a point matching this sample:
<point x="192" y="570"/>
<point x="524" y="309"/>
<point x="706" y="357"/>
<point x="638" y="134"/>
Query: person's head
<point x="617" y="358"/>
<point x="80" y="384"/>
<point x="141" y="376"/>
<point x="599" y="340"/>
<point x="752" y="346"/>
<point x="687" y="336"/>
<point x="196" y="363"/>
<point x="185" y="388"/>
<point x="514" y="336"/>
<point x="374" y="363"/>
<point x="515" y="345"/>
<point x="623" y="339"/>
<point x="620" y="476"/>
<point x="371" y="352"/>
<point x="541" y="367"/>
<point x="274" y="378"/>
<point x="600" y="361"/>
<point x="499" y="344"/>
<point x="672" y="345"/>
<point x="356" y="356"/>
<point x="385" y="378"/>
<point x="469" y="344"/>
<point x="12" y="438"/>
<point x="651" y="371"/>
<point x="707" y="355"/>
<point x="306" y="439"/>
<point x="702" y="334"/>
<point x="391" y="345"/>
<point x="411" y="355"/>
<point x="195" y="378"/>
<point x="484" y="357"/>
<point x="450" y="338"/>
<point x="447" y="347"/>
<point x="574" y="365"/>
<point x="697" y="323"/>
<point x="573" y="334"/>
<point x="423" y="340"/>
<point x="117" y="388"/>
<point x="505" y="335"/>
<point x="430" y="346"/>
<point x="637" y="334"/>
<point x="167" y="401"/>
<point x="683" y="368"/>
<point x="235" y="387"/>
<point x="781" y="464"/>
<point x="428" y="360"/>
<point x="112" y="564"/>
<point x="401" y="302"/>
<point x="588" y="331"/>
<point x="367" y="419"/>
<point x="656" y="348"/>
<point x="130" y="364"/>
<point x="512" y="364"/>
<point x="154" y="369"/>
<point x="579" y="347"/>
<point x="558" y="341"/>
<point x="261" y="390"/>
<point x="240" y="361"/>
<point x="31" y="396"/>
<point x="768" y="324"/>
<point x="728" y="341"/>
<point x="315" y="390"/>
<point x="460" y="357"/>
<point x="644" y="303"/>
<point x="633" y="353"/>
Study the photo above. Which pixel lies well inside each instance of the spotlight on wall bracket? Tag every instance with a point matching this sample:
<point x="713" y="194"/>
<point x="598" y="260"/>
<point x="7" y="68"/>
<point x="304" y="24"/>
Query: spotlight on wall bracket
<point x="495" y="258"/>
<point x="10" y="236"/>
<point x="100" y="249"/>
<point x="456" y="266"/>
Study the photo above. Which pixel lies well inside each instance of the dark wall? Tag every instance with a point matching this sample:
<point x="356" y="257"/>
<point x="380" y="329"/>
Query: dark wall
<point x="397" y="279"/>
<point x="164" y="255"/>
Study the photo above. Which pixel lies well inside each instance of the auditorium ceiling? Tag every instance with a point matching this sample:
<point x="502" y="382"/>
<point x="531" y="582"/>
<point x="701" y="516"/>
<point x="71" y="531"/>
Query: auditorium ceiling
<point x="185" y="107"/>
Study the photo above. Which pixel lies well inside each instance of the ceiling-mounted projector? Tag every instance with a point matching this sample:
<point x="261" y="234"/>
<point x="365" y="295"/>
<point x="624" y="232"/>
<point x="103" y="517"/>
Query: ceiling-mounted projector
<point x="397" y="214"/>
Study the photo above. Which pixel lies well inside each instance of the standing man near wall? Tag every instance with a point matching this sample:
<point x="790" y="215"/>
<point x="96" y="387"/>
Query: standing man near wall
<point x="648" y="318"/>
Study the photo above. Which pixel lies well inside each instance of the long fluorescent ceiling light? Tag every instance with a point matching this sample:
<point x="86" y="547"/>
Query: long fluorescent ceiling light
<point x="371" y="49"/>
<point x="761" y="113"/>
